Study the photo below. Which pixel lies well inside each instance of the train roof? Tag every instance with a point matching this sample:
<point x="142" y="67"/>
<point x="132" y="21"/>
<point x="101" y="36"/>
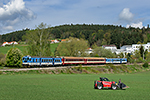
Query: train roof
<point x="94" y="57"/>
<point x="116" y="58"/>
<point x="41" y="57"/>
<point x="73" y="57"/>
<point x="83" y="57"/>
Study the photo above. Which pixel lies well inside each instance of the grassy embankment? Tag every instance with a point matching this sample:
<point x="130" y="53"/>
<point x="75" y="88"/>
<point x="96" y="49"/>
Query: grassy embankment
<point x="72" y="87"/>
<point x="4" y="50"/>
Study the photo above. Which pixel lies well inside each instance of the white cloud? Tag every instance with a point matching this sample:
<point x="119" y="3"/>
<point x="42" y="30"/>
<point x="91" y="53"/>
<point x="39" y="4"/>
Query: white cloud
<point x="136" y="25"/>
<point x="126" y="15"/>
<point x="8" y="28"/>
<point x="13" y="13"/>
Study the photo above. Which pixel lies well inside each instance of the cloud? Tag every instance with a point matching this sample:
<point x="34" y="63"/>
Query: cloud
<point x="126" y="15"/>
<point x="8" y="28"/>
<point x="14" y="13"/>
<point x="136" y="25"/>
<point x="128" y="18"/>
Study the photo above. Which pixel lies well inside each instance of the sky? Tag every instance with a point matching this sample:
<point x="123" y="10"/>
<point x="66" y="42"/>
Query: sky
<point x="16" y="15"/>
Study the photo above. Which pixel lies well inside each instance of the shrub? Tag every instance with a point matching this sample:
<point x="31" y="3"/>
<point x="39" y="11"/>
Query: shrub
<point x="2" y="62"/>
<point x="2" y="59"/>
<point x="13" y="58"/>
<point x="145" y="65"/>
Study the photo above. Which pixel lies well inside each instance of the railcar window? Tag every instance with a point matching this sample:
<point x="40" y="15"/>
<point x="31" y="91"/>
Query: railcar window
<point x="50" y="60"/>
<point x="33" y="60"/>
<point x="117" y="60"/>
<point x="42" y="60"/>
<point x="95" y="59"/>
<point x="36" y="60"/>
<point x="74" y="59"/>
<point x="57" y="60"/>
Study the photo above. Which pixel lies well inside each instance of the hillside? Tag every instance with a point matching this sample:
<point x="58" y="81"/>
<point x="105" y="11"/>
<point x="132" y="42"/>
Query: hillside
<point x="95" y="34"/>
<point x="21" y="47"/>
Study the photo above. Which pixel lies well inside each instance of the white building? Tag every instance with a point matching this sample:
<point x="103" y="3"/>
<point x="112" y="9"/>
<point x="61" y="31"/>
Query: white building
<point x="137" y="47"/>
<point x="111" y="47"/>
<point x="127" y="48"/>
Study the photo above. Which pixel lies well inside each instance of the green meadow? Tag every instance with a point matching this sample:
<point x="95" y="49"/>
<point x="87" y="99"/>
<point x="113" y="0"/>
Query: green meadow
<point x="72" y="87"/>
<point x="22" y="48"/>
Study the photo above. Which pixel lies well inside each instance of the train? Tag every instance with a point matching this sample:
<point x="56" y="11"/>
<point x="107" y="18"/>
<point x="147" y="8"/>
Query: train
<point x="55" y="61"/>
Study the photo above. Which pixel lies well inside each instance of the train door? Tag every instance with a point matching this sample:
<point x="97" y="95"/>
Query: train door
<point x="121" y="61"/>
<point x="53" y="60"/>
<point x="85" y="61"/>
<point x="40" y="61"/>
<point x="63" y="60"/>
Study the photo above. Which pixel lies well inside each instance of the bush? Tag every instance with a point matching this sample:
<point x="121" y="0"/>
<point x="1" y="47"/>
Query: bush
<point x="145" y="65"/>
<point x="2" y="62"/>
<point x="13" y="58"/>
<point x="2" y="59"/>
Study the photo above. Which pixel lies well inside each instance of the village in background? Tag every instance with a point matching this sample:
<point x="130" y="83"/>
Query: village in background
<point x="125" y="49"/>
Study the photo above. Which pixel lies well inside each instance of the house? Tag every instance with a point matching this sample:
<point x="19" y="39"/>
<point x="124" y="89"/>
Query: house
<point x="9" y="43"/>
<point x="89" y="51"/>
<point x="5" y="43"/>
<point x="54" y="41"/>
<point x="137" y="46"/>
<point x="127" y="48"/>
<point x="63" y="40"/>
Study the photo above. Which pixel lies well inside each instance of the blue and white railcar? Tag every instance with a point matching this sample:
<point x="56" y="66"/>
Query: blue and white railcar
<point x="113" y="60"/>
<point x="40" y="61"/>
<point x="34" y="61"/>
<point x="46" y="61"/>
<point x="25" y="61"/>
<point x="109" y="60"/>
<point x="116" y="60"/>
<point x="30" y="61"/>
<point x="123" y="60"/>
<point x="57" y="61"/>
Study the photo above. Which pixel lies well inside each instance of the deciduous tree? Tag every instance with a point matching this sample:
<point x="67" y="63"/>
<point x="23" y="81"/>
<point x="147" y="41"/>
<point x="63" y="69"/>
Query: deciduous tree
<point x="39" y="41"/>
<point x="101" y="52"/>
<point x="72" y="47"/>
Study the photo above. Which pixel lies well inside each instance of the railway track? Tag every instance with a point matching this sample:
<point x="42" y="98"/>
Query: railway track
<point x="58" y="67"/>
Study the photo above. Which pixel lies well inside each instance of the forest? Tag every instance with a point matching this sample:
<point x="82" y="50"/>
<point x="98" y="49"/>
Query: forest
<point x="95" y="34"/>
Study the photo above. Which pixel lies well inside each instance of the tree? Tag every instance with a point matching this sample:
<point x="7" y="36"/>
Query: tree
<point x="107" y="37"/>
<point x="72" y="47"/>
<point x="101" y="52"/>
<point x="39" y="41"/>
<point x="14" y="58"/>
<point x="141" y="50"/>
<point x="2" y="59"/>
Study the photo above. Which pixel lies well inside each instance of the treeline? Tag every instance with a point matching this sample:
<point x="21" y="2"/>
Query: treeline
<point x="95" y="34"/>
<point x="13" y="36"/>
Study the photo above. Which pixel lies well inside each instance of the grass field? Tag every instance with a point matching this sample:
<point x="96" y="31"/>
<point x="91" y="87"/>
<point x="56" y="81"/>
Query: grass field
<point x="22" y="48"/>
<point x="72" y="87"/>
